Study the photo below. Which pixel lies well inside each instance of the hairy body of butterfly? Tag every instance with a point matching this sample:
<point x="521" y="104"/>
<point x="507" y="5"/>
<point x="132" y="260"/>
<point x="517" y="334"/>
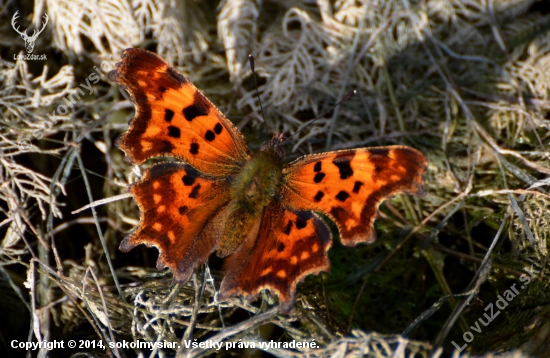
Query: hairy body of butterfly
<point x="251" y="209"/>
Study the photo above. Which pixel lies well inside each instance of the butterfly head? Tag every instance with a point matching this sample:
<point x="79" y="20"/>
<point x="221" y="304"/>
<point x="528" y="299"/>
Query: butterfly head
<point x="274" y="144"/>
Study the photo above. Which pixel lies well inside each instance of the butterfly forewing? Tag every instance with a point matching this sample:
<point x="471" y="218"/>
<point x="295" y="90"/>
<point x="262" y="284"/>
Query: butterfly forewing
<point x="349" y="185"/>
<point x="174" y="118"/>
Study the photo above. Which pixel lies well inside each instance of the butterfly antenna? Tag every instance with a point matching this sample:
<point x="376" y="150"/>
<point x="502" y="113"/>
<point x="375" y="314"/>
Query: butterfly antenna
<point x="345" y="99"/>
<point x="251" y="60"/>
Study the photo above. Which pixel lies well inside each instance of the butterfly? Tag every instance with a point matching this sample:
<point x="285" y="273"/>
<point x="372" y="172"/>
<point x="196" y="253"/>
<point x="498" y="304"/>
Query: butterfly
<point x="254" y="211"/>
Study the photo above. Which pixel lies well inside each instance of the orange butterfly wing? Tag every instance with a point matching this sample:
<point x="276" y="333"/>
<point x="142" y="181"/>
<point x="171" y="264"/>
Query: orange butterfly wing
<point x="349" y="185"/>
<point x="182" y="214"/>
<point x="174" y="118"/>
<point x="290" y="245"/>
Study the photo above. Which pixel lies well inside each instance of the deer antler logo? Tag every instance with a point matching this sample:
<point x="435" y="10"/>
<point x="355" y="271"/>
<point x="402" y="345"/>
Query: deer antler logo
<point x="29" y="40"/>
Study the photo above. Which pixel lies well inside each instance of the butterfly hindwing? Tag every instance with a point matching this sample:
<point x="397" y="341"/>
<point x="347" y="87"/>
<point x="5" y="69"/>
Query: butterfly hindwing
<point x="181" y="212"/>
<point x="290" y="245"/>
<point x="174" y="118"/>
<point x="349" y="185"/>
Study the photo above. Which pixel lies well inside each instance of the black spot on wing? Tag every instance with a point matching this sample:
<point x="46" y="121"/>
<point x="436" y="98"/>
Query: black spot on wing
<point x="174" y="132"/>
<point x="288" y="227"/>
<point x="197" y="109"/>
<point x="195" y="192"/>
<point x="280" y="247"/>
<point x="344" y="166"/>
<point x="357" y="186"/>
<point x="218" y="128"/>
<point x="342" y="195"/>
<point x="209" y="136"/>
<point x="318" y="177"/>
<point x="317" y="167"/>
<point x="188" y="180"/>
<point x="319" y="196"/>
<point x="183" y="210"/>
<point x="301" y="223"/>
<point x="194" y="149"/>
<point x="168" y="115"/>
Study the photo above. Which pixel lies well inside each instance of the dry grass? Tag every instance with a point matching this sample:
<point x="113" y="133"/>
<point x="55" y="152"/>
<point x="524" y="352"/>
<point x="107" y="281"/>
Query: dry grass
<point x="465" y="82"/>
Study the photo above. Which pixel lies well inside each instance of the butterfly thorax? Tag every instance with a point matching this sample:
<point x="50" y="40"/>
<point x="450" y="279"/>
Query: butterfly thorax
<point x="251" y="192"/>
